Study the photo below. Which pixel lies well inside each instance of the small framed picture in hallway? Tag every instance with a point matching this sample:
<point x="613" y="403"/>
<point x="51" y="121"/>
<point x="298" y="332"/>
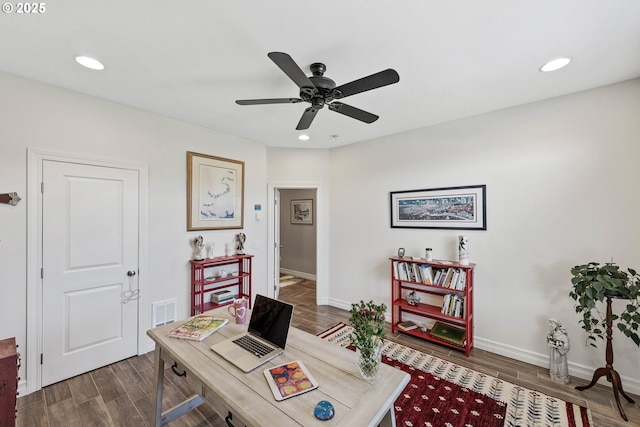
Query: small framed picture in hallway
<point x="302" y="211"/>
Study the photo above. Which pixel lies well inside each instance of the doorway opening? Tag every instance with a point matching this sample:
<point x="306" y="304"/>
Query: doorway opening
<point x="298" y="236"/>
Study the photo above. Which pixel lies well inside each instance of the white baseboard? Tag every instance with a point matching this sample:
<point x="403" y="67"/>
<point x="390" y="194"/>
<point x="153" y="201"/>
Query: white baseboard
<point x="578" y="370"/>
<point x="631" y="385"/>
<point x="300" y="274"/>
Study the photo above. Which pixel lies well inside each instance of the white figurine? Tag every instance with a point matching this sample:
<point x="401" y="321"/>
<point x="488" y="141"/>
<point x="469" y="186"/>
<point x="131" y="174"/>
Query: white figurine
<point x="463" y="250"/>
<point x="198" y="244"/>
<point x="209" y="248"/>
<point x="240" y="239"/>
<point x="558" y="341"/>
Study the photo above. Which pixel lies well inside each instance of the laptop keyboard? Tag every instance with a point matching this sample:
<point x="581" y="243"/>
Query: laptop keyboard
<point x="253" y="346"/>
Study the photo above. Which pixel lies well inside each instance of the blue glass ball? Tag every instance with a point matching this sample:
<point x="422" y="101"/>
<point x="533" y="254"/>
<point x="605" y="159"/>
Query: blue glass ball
<point x="324" y="410"/>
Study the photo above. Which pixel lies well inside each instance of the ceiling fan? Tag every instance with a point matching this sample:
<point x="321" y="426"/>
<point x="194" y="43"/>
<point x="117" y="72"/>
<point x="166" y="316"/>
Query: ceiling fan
<point x="319" y="90"/>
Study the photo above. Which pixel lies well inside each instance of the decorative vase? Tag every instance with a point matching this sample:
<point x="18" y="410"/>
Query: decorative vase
<point x="463" y="250"/>
<point x="369" y="360"/>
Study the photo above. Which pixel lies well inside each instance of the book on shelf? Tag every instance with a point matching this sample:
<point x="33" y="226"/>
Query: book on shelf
<point x="289" y="379"/>
<point x="452" y="278"/>
<point x="222" y="296"/>
<point x="198" y="328"/>
<point x="462" y="281"/>
<point x="447" y="278"/>
<point x="417" y="273"/>
<point x="411" y="267"/>
<point x="436" y="277"/>
<point x="449" y="333"/>
<point x="407" y="325"/>
<point x="398" y="270"/>
<point x="453" y="305"/>
<point x="413" y="272"/>
<point x="427" y="274"/>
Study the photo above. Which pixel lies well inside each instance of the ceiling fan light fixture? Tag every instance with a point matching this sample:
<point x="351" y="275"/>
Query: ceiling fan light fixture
<point x="319" y="90"/>
<point x="555" y="64"/>
<point x="304" y="137"/>
<point x="88" y="62"/>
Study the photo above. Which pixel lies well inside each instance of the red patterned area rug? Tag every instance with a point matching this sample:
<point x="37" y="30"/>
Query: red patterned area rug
<point x="441" y="393"/>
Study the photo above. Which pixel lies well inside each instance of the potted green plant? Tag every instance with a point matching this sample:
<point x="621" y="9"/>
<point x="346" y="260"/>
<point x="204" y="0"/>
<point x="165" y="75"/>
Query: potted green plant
<point x="367" y="321"/>
<point x="594" y="283"/>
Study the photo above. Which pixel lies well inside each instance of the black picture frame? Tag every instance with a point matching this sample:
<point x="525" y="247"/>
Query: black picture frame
<point x="302" y="211"/>
<point x="451" y="208"/>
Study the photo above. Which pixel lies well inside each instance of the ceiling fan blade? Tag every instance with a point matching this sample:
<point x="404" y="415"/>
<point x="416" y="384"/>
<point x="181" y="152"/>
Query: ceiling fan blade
<point x="291" y="69"/>
<point x="353" y="112"/>
<point x="374" y="81"/>
<point x="307" y="117"/>
<point x="268" y="101"/>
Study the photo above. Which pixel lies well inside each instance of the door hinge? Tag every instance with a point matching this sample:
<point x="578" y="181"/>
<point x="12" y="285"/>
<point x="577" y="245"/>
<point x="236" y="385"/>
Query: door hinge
<point x="41" y="358"/>
<point x="42" y="187"/>
<point x="41" y="273"/>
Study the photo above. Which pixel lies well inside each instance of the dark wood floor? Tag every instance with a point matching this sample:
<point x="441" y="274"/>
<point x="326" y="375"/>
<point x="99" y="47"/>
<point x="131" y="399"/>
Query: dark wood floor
<point x="121" y="394"/>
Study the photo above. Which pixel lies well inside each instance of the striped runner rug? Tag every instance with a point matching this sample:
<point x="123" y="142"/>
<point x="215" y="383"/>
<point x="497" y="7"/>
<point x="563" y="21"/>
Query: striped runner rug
<point x="442" y="393"/>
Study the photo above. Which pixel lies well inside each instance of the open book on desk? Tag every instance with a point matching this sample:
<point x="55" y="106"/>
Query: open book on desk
<point x="198" y="328"/>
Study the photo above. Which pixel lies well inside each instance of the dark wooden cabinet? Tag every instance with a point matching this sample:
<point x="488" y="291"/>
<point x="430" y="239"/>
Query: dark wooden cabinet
<point x="213" y="274"/>
<point x="9" y="364"/>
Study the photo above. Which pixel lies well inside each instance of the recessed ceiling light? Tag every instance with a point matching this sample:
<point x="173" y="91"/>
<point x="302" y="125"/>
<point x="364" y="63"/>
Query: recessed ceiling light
<point x="89" y="62"/>
<point x="555" y="64"/>
<point x="303" y="137"/>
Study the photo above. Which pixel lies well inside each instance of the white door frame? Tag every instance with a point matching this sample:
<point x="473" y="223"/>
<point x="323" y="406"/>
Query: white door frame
<point x="277" y="243"/>
<point x="322" y="238"/>
<point x="35" y="159"/>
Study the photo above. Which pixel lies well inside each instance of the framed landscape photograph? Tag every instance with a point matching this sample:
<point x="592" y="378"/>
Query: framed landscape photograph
<point x="215" y="192"/>
<point x="455" y="208"/>
<point x="302" y="211"/>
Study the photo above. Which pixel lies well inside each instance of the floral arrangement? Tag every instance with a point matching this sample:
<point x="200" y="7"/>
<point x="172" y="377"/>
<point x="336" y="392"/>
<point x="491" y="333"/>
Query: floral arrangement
<point x="367" y="321"/>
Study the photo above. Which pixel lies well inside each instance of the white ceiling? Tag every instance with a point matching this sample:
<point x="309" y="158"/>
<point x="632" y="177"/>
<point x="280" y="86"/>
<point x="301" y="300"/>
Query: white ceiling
<point x="191" y="60"/>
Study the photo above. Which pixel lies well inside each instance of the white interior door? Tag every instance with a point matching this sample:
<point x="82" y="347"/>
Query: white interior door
<point x="90" y="264"/>
<point x="276" y="233"/>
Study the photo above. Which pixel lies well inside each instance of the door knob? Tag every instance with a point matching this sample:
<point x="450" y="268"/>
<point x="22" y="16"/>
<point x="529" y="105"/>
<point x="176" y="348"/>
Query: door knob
<point x="131" y="273"/>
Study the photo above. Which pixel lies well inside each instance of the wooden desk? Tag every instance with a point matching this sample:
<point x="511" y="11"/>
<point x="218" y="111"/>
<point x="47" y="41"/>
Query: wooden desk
<point x="247" y="397"/>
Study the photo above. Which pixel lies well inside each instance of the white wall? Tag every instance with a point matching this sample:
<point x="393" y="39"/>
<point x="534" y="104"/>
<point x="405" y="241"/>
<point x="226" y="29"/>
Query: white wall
<point x="34" y="115"/>
<point x="562" y="182"/>
<point x="562" y="189"/>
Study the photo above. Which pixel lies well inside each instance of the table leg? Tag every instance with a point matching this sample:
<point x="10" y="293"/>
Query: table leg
<point x="158" y="383"/>
<point x="389" y="419"/>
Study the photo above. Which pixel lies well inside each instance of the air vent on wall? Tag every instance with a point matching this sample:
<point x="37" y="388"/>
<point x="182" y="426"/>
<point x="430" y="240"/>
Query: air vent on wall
<point x="164" y="312"/>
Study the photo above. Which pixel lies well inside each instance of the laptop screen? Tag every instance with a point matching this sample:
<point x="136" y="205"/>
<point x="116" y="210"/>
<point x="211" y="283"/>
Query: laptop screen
<point x="270" y="320"/>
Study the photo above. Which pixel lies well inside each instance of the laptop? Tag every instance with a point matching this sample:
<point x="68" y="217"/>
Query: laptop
<point x="265" y="338"/>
